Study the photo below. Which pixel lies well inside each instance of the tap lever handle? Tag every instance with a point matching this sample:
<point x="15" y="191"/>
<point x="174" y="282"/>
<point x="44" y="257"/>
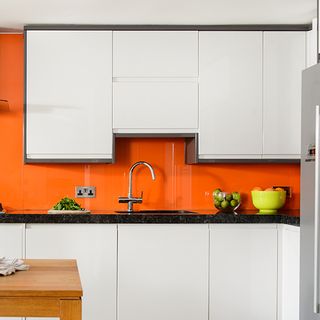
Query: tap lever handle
<point x="123" y="200"/>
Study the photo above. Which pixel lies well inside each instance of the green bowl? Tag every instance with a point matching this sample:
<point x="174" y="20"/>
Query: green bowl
<point x="268" y="202"/>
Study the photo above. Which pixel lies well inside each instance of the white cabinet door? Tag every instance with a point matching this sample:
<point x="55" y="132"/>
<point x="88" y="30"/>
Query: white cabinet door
<point x="230" y="95"/>
<point x="155" y="54"/>
<point x="284" y="60"/>
<point x="289" y="272"/>
<point x="311" y="45"/>
<point x="94" y="247"/>
<point x="155" y="106"/>
<point x="11" y="244"/>
<point x="12" y="240"/>
<point x="163" y="272"/>
<point x="243" y="272"/>
<point x="69" y="95"/>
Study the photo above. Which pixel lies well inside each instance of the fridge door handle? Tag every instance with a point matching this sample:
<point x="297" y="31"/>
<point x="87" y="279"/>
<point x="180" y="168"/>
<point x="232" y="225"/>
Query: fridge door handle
<point x="316" y="214"/>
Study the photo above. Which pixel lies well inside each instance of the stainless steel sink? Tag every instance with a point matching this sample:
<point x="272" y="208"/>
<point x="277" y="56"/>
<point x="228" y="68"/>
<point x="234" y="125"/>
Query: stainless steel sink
<point x="158" y="212"/>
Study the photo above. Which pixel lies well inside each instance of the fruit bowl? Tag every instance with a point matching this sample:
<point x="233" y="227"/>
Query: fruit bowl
<point x="268" y="202"/>
<point x="226" y="201"/>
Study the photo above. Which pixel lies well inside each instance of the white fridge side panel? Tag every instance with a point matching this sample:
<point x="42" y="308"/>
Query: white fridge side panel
<point x="310" y="98"/>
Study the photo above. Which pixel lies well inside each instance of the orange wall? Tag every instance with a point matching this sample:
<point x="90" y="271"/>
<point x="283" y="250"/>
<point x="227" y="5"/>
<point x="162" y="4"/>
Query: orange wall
<point x="177" y="185"/>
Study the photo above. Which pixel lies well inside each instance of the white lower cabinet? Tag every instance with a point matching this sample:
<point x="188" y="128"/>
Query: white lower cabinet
<point x="163" y="272"/>
<point x="12" y="240"/>
<point x="95" y="248"/>
<point x="243" y="272"/>
<point x="11" y="244"/>
<point x="289" y="272"/>
<point x="172" y="271"/>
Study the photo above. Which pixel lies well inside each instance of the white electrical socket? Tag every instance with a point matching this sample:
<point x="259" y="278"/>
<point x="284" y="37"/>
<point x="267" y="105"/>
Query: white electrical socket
<point x="85" y="192"/>
<point x="288" y="189"/>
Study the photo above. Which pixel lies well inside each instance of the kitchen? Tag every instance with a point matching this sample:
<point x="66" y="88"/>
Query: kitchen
<point x="161" y="109"/>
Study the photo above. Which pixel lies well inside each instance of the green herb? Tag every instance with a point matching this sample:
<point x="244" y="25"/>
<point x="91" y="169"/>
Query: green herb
<point x="67" y="204"/>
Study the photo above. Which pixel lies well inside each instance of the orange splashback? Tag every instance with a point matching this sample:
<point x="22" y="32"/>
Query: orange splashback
<point x="177" y="185"/>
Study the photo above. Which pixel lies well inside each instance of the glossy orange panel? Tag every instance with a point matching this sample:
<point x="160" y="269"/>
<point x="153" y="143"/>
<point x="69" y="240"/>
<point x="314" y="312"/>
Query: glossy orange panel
<point x="177" y="185"/>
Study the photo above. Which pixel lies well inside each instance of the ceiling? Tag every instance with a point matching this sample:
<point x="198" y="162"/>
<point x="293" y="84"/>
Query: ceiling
<point x="14" y="14"/>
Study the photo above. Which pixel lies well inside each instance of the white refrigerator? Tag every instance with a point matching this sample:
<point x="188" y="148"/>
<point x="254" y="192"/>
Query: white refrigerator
<point x="310" y="195"/>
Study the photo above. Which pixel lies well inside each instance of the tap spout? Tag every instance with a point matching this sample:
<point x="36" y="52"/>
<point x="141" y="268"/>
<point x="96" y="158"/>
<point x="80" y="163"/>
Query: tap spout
<point x="148" y="165"/>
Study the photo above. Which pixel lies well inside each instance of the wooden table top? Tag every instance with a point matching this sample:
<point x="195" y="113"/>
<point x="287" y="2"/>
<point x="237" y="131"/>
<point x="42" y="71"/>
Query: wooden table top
<point x="45" y="278"/>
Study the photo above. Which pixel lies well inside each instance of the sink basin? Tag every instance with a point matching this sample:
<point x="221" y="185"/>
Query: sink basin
<point x="158" y="212"/>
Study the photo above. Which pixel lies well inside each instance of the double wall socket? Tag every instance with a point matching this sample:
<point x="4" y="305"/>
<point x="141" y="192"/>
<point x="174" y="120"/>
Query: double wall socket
<point x="287" y="189"/>
<point x="85" y="192"/>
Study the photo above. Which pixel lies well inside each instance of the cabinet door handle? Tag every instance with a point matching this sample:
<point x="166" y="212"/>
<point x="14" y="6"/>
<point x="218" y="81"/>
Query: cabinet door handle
<point x="316" y="215"/>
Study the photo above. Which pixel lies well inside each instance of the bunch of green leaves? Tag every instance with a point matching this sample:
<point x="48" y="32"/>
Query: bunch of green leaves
<point x="67" y="204"/>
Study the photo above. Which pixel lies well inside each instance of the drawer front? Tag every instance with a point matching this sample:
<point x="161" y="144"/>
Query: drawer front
<point x="155" y="54"/>
<point x="155" y="105"/>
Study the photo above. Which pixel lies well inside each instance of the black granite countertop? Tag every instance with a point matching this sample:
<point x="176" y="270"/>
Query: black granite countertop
<point x="289" y="217"/>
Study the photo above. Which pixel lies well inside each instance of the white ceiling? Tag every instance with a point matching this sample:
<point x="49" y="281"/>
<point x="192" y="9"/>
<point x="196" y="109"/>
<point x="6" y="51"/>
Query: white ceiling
<point x="16" y="13"/>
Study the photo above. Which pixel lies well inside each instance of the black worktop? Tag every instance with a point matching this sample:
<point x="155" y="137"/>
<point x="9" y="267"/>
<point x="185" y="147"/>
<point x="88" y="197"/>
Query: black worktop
<point x="289" y="217"/>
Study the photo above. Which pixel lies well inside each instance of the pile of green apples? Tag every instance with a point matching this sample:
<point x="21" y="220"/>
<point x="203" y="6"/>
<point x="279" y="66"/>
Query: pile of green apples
<point x="226" y="201"/>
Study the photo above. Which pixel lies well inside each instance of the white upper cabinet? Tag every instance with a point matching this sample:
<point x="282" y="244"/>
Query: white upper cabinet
<point x="155" y="54"/>
<point x="284" y="60"/>
<point x="155" y="81"/>
<point x="312" y="50"/>
<point x="241" y="91"/>
<point x="163" y="272"/>
<point x="69" y="95"/>
<point x="230" y="80"/>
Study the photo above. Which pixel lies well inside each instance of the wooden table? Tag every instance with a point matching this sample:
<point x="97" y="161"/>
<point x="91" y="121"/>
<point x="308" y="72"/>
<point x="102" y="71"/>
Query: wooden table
<point x="50" y="288"/>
